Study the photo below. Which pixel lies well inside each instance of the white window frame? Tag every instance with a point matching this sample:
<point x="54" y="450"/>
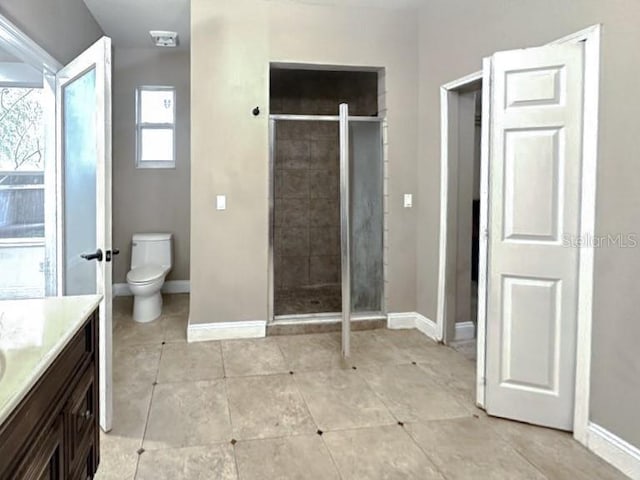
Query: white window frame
<point x="140" y="126"/>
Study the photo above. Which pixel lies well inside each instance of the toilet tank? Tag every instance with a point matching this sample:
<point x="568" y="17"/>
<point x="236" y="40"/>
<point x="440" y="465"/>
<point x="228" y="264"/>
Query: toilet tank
<point x="151" y="249"/>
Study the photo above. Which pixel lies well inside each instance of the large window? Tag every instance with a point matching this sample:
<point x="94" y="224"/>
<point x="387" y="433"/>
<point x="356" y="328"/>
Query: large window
<point x="22" y="202"/>
<point x="155" y="127"/>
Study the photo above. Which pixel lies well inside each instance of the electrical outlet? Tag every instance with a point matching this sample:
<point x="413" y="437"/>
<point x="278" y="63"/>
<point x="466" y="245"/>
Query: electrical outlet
<point x="221" y="202"/>
<point x="408" y="200"/>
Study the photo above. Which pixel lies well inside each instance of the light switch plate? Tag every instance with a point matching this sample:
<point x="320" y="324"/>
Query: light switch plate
<point x="408" y="200"/>
<point x="221" y="202"/>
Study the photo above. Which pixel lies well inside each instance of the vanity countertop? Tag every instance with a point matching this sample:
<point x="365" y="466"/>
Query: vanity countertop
<point x="32" y="335"/>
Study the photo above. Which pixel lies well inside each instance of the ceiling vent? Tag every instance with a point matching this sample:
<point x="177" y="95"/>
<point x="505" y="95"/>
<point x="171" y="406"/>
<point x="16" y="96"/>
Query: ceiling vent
<point x="162" y="38"/>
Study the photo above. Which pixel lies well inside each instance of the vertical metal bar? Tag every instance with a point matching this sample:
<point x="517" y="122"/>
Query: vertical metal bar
<point x="272" y="159"/>
<point x="345" y="230"/>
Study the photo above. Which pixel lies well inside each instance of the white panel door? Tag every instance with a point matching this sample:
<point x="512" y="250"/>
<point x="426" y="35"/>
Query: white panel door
<point x="534" y="205"/>
<point x="83" y="95"/>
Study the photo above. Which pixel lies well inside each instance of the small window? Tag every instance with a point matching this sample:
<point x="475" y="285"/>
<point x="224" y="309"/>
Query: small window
<point x="155" y="127"/>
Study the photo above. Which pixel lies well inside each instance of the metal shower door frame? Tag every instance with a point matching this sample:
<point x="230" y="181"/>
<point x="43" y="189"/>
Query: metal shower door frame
<point x="346" y="315"/>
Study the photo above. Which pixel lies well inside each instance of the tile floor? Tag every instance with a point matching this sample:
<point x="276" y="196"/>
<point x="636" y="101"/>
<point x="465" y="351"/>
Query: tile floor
<point x="307" y="300"/>
<point x="286" y="408"/>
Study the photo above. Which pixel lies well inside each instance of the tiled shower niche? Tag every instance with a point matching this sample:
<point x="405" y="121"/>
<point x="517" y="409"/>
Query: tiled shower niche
<point x="306" y="171"/>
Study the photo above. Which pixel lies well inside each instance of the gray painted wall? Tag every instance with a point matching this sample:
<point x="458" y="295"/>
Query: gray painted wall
<point x="233" y="42"/>
<point x="64" y="28"/>
<point x="454" y="36"/>
<point x="149" y="200"/>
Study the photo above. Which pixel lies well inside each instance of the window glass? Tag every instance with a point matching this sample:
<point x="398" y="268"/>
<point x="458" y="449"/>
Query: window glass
<point x="156" y="145"/>
<point x="155" y="127"/>
<point x="156" y="106"/>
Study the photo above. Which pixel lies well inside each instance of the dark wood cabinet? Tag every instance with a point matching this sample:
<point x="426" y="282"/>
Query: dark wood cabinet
<point x="54" y="432"/>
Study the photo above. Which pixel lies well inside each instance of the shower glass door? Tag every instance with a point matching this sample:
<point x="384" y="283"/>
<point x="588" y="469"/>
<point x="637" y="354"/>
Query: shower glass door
<point x="362" y="219"/>
<point x="327" y="219"/>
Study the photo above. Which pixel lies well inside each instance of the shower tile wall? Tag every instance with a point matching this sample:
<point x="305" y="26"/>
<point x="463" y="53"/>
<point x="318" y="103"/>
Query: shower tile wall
<point x="306" y="184"/>
<point x="307" y="209"/>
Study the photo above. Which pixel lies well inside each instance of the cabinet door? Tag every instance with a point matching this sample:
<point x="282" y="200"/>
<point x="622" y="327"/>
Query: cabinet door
<point x="45" y="460"/>
<point x="82" y="422"/>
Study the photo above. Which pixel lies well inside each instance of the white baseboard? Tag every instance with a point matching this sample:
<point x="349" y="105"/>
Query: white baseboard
<point x="616" y="451"/>
<point x="412" y="320"/>
<point x="427" y="326"/>
<point x="172" y="286"/>
<point x="396" y="321"/>
<point x="465" y="331"/>
<point x="203" y="332"/>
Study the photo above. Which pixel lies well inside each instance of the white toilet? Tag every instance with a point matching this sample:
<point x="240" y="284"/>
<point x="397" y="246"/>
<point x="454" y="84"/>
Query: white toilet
<point x="151" y="261"/>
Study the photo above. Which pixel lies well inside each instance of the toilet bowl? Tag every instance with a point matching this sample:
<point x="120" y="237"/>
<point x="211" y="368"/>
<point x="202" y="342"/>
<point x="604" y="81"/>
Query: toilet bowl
<point x="151" y="261"/>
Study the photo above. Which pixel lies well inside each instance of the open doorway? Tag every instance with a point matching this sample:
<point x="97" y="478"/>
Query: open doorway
<point x="462" y="181"/>
<point x="27" y="208"/>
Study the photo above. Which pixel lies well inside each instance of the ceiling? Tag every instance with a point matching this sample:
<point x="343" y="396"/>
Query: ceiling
<point x="128" y="22"/>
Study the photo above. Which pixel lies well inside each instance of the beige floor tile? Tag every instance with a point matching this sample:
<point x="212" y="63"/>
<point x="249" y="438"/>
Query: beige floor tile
<point x="122" y="307"/>
<point x="555" y="453"/>
<point x="128" y="332"/>
<point x="190" y="362"/>
<point x="461" y="382"/>
<point x="341" y="399"/>
<point x="319" y="351"/>
<point x="371" y="348"/>
<point x="175" y="328"/>
<point x="192" y="463"/>
<point x="294" y="458"/>
<point x="413" y="343"/>
<point x="131" y="404"/>
<point x="465" y="448"/>
<point x="267" y="406"/>
<point x="445" y="359"/>
<point x="118" y="457"/>
<point x="175" y="304"/>
<point x="252" y="357"/>
<point x="411" y="393"/>
<point x="188" y="414"/>
<point x="136" y="363"/>
<point x="379" y="453"/>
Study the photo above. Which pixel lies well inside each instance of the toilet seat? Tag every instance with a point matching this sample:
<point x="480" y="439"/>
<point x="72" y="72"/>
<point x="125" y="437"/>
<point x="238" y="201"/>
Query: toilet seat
<point x="146" y="274"/>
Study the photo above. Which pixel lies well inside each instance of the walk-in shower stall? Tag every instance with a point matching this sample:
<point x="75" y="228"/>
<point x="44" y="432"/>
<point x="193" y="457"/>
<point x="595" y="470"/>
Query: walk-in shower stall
<point x="327" y="212"/>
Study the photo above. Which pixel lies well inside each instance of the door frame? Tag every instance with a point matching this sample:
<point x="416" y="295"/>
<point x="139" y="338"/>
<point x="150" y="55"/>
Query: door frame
<point x="20" y="45"/>
<point x="319" y="318"/>
<point x="448" y="94"/>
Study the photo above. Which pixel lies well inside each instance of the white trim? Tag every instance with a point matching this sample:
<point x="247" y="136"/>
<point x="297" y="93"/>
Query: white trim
<point x="483" y="260"/>
<point x="172" y="286"/>
<point x="445" y="91"/>
<point x="619" y="453"/>
<point x="176" y="286"/>
<point x="463" y="81"/>
<point x="591" y="38"/>
<point x="19" y="45"/>
<point x="427" y="326"/>
<point x="465" y="331"/>
<point x="203" y="332"/>
<point x="405" y="320"/>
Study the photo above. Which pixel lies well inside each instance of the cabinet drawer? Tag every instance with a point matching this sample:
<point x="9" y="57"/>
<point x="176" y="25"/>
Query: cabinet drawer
<point x="80" y="415"/>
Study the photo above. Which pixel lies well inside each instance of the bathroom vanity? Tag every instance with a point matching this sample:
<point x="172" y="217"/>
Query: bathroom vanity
<point x="49" y="388"/>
